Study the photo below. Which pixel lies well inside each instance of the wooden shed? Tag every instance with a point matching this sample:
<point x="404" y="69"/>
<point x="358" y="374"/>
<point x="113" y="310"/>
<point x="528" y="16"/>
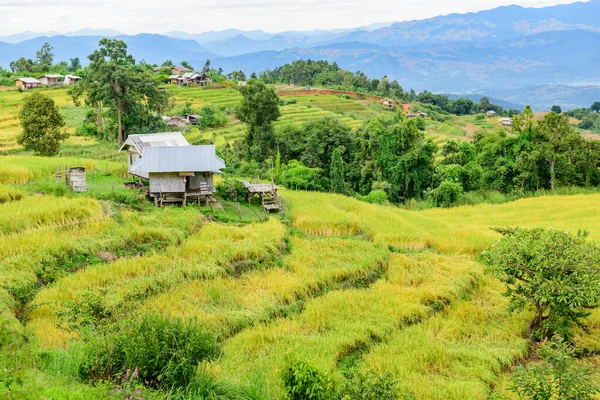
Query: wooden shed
<point x="136" y="144"/>
<point x="267" y="193"/>
<point x="71" y="79"/>
<point x="27" y="83"/>
<point x="52" y="79"/>
<point x="180" y="174"/>
<point x="76" y="179"/>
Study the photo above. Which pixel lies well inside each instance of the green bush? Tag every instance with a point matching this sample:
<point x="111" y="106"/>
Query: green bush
<point x="304" y="382"/>
<point x="165" y="351"/>
<point x="480" y="117"/>
<point x="370" y="386"/>
<point x="232" y="190"/>
<point x="292" y="101"/>
<point x="377" y="197"/>
<point x="446" y="194"/>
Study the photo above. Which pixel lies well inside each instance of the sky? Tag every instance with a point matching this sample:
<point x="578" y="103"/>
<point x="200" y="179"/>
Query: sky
<point x="197" y="16"/>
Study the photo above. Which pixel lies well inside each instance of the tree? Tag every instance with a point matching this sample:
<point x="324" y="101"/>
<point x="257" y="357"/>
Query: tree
<point x="557" y="376"/>
<point x="596" y="106"/>
<point x="42" y="123"/>
<point x="259" y="108"/>
<point x="556" y="109"/>
<point x="114" y="80"/>
<point x="45" y="58"/>
<point x="187" y="64"/>
<point x="555" y="272"/>
<point x="75" y="64"/>
<point x="22" y="65"/>
<point x="557" y="138"/>
<point x="336" y="172"/>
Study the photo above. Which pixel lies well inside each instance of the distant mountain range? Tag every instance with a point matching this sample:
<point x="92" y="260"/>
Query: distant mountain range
<point x="498" y="51"/>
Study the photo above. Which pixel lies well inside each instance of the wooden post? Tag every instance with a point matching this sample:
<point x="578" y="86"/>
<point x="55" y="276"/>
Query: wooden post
<point x="122" y="171"/>
<point x="57" y="174"/>
<point x="90" y="186"/>
<point x="106" y="169"/>
<point x="239" y="211"/>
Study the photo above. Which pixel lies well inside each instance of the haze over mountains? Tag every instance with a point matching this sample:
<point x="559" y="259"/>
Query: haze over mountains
<point x="493" y="51"/>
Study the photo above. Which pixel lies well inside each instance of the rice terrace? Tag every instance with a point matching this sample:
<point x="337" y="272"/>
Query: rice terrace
<point x="299" y="231"/>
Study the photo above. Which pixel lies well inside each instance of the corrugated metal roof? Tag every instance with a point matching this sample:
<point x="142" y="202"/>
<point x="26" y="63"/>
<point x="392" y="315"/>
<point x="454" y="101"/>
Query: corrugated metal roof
<point x="28" y="80"/>
<point x="52" y="76"/>
<point x="179" y="159"/>
<point x="142" y="141"/>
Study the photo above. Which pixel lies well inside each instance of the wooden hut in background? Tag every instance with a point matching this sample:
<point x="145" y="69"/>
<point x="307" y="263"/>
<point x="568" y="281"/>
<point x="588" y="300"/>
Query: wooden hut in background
<point x="27" y="83"/>
<point x="52" y="80"/>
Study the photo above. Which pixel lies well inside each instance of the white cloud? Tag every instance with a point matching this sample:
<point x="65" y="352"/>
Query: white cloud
<point x="196" y="16"/>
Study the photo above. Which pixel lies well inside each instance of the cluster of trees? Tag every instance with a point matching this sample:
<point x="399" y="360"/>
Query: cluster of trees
<point x="325" y="154"/>
<point x="391" y="155"/>
<point x="44" y="62"/>
<point x="124" y="95"/>
<point x="590" y="117"/>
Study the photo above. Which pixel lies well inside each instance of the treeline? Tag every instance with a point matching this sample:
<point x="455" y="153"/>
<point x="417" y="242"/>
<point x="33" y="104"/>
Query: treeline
<point x="590" y="117"/>
<point x="389" y="158"/>
<point x="322" y="73"/>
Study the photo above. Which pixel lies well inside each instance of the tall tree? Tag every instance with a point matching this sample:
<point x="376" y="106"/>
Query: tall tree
<point x="336" y="172"/>
<point x="596" y="106"/>
<point x="259" y="108"/>
<point x="74" y="65"/>
<point x="42" y="123"/>
<point x="556" y="109"/>
<point x="45" y="58"/>
<point x="558" y="138"/>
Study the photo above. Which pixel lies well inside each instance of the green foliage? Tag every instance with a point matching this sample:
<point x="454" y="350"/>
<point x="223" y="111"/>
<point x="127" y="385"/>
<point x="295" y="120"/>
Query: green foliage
<point x="232" y="190"/>
<point x="297" y="176"/>
<point x="556" y="109"/>
<point x="164" y="351"/>
<point x="42" y="123"/>
<point x="370" y="386"/>
<point x="209" y="117"/>
<point x="596" y="107"/>
<point x="258" y="108"/>
<point x="44" y="57"/>
<point x="89" y="310"/>
<point x="446" y="194"/>
<point x="375" y="197"/>
<point x="556" y="376"/>
<point x="553" y="271"/>
<point x="115" y="80"/>
<point x="303" y="382"/>
<point x="336" y="172"/>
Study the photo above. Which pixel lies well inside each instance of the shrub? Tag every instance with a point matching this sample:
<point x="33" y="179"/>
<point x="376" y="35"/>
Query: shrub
<point x="232" y="190"/>
<point x="377" y="197"/>
<point x="304" y="382"/>
<point x="480" y="117"/>
<point x="446" y="194"/>
<point x="370" y="386"/>
<point x="297" y="176"/>
<point x="164" y="351"/>
<point x="557" y="376"/>
<point x="292" y="101"/>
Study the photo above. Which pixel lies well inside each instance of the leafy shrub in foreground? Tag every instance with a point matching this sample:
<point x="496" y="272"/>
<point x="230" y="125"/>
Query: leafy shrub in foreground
<point x="304" y="382"/>
<point x="550" y="270"/>
<point x="164" y="351"/>
<point x="557" y="376"/>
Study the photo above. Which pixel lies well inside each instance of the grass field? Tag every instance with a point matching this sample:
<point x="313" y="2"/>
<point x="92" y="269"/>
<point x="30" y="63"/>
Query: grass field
<point x="345" y="285"/>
